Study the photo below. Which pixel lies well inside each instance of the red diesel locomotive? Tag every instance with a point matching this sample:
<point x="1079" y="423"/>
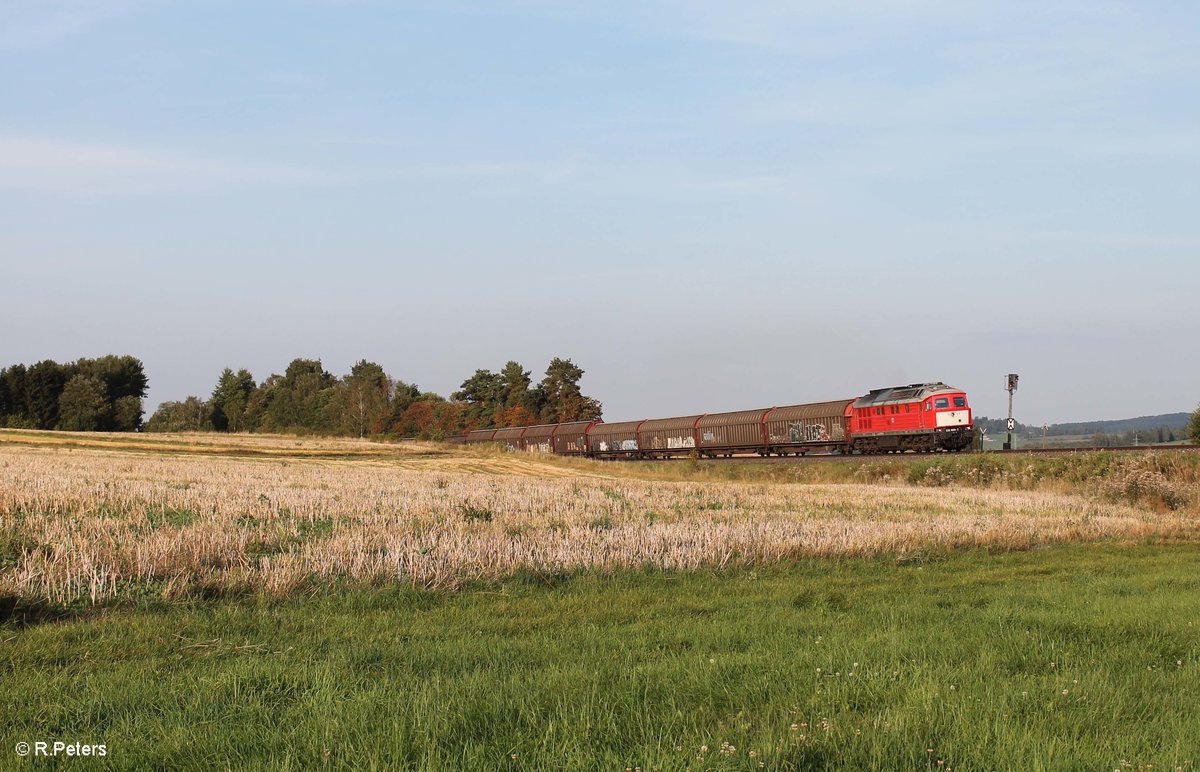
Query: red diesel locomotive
<point x="919" y="417"/>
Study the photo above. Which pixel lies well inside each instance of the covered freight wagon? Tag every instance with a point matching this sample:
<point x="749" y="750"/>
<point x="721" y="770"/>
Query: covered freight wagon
<point x="804" y="428"/>
<point x="537" y="439"/>
<point x="511" y="436"/>
<point x="728" y="433"/>
<point x="571" y="438"/>
<point x="668" y="436"/>
<point x="614" y="440"/>
<point x="480" y="435"/>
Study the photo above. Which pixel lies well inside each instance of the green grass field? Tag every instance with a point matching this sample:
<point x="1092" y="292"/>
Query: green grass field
<point x="1070" y="657"/>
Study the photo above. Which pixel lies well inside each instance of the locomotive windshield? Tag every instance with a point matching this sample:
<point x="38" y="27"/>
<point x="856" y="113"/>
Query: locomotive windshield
<point x="942" y="402"/>
<point x="960" y="401"/>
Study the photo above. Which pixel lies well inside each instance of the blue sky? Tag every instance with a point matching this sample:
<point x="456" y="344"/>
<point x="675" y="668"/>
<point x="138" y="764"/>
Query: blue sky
<point x="708" y="206"/>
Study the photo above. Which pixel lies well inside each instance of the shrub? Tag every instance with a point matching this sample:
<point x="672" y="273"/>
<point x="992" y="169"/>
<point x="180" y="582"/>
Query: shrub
<point x="474" y="514"/>
<point x="1140" y="484"/>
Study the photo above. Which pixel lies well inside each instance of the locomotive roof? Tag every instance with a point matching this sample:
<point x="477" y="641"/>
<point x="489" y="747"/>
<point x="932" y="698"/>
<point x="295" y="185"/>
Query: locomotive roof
<point x="913" y="392"/>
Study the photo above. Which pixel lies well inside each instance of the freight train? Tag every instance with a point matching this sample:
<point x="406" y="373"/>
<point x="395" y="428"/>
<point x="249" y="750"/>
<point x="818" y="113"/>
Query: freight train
<point x="919" y="417"/>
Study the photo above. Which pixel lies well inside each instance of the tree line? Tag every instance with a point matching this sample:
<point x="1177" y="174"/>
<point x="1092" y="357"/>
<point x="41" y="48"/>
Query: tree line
<point x="367" y="401"/>
<point x="1095" y="431"/>
<point x="1158" y="436"/>
<point x="102" y="394"/>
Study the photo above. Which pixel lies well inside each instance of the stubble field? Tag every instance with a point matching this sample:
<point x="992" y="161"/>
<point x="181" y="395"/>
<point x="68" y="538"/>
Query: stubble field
<point x="90" y="525"/>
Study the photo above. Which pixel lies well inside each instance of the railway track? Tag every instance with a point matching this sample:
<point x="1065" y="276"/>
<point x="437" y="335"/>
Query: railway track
<point x="1115" y="449"/>
<point x="837" y="457"/>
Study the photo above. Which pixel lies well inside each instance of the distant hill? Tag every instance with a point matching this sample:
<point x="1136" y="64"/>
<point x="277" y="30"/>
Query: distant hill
<point x="1169" y="420"/>
<point x="1147" y="428"/>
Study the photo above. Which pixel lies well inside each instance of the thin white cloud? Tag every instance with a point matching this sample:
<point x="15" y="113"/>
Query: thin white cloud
<point x="78" y="168"/>
<point x="64" y="166"/>
<point x="834" y="27"/>
<point x="749" y="185"/>
<point x="35" y="23"/>
<point x="1107" y="239"/>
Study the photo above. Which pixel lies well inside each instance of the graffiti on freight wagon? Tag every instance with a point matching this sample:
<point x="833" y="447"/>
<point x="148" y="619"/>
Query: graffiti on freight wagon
<point x="618" y="445"/>
<point x="799" y="432"/>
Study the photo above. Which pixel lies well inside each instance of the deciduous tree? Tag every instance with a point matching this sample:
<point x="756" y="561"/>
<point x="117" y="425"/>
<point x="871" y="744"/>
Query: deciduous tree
<point x="362" y="400"/>
<point x="190" y="415"/>
<point x="300" y="398"/>
<point x="83" y="406"/>
<point x="125" y="381"/>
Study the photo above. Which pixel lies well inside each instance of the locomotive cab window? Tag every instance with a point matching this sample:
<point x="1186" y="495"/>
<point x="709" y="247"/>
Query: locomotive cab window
<point x="960" y="401"/>
<point x="942" y="402"/>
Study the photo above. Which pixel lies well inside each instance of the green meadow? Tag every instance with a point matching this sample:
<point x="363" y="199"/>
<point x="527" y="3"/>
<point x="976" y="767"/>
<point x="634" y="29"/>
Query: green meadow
<point x="1066" y="657"/>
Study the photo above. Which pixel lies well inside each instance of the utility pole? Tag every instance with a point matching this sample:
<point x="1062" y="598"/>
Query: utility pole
<point x="1045" y="428"/>
<point x="1011" y="387"/>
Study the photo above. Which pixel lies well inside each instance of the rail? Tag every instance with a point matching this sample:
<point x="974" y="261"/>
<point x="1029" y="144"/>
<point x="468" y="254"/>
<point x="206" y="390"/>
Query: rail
<point x="835" y="457"/>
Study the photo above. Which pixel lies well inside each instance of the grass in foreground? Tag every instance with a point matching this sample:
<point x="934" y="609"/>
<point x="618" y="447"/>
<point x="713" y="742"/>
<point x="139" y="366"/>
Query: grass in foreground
<point x="1081" y="656"/>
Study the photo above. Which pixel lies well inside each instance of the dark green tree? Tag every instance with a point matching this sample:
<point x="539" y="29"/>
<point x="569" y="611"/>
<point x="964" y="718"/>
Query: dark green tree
<point x="259" y="405"/>
<point x="1194" y="427"/>
<point x="33" y="396"/>
<point x="516" y="381"/>
<point x="6" y="402"/>
<point x="190" y="415"/>
<point x="301" y="398"/>
<point x="484" y="394"/>
<point x="124" y="379"/>
<point x="127" y="414"/>
<point x="229" y="400"/>
<point x="83" y="406"/>
<point x="483" y="387"/>
<point x="361" y="403"/>
<point x="44" y="386"/>
<point x="563" y="399"/>
<point x="15" y="380"/>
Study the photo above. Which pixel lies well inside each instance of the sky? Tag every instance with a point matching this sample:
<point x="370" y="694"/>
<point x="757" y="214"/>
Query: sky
<point x="707" y="206"/>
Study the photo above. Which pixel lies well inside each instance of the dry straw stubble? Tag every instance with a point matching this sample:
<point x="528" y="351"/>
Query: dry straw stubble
<point x="89" y="525"/>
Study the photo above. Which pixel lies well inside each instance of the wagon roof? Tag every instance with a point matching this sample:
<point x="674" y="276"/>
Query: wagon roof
<point x="571" y="426"/>
<point x="539" y="432"/>
<point x="620" y="427"/>
<point x="811" y="410"/>
<point x="736" y="417"/>
<point x="914" y="392"/>
<point x="667" y="424"/>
